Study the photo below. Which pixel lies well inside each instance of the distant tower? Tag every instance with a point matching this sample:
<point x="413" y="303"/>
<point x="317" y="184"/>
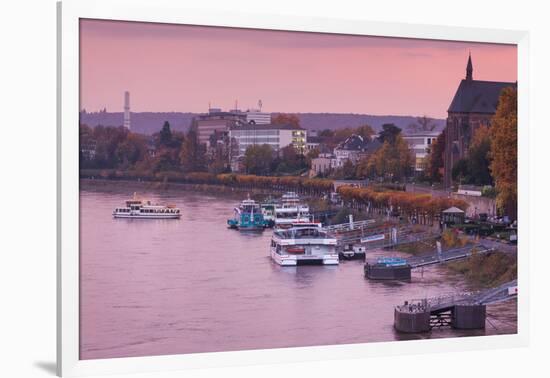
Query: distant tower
<point x="469" y="68"/>
<point x="127" y="110"/>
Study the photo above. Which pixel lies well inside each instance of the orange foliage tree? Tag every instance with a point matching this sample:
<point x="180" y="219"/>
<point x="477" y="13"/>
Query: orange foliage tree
<point x="504" y="151"/>
<point x="422" y="206"/>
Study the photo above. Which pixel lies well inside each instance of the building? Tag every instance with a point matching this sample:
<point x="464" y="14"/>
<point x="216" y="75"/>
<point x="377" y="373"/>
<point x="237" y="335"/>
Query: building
<point x="88" y="149"/>
<point x="216" y="121"/>
<point x="474" y="104"/>
<point x="256" y="117"/>
<point x="276" y="136"/>
<point x="313" y="143"/>
<point x="321" y="165"/>
<point x="420" y="144"/>
<point x="354" y="149"/>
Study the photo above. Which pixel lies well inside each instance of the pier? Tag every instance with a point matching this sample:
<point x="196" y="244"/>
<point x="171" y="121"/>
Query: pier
<point x="354" y="238"/>
<point x="459" y="310"/>
<point x="401" y="270"/>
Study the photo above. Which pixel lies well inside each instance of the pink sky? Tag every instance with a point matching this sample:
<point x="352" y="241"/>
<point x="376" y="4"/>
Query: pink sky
<point x="184" y="68"/>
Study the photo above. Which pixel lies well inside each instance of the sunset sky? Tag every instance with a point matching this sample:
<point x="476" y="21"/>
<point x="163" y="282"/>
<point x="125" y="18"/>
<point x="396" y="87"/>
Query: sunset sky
<point x="184" y="68"/>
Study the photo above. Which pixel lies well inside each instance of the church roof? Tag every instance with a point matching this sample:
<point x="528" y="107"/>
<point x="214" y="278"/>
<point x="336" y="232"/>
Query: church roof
<point x="477" y="96"/>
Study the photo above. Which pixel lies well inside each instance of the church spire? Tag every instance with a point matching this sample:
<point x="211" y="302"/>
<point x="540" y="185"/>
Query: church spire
<point x="469" y="68"/>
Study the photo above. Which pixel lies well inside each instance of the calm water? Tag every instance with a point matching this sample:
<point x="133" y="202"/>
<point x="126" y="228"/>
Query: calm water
<point x="153" y="287"/>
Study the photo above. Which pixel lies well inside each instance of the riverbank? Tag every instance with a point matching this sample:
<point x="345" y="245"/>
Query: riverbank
<point x="316" y="203"/>
<point x="480" y="271"/>
<point x="139" y="185"/>
<point x="487" y="270"/>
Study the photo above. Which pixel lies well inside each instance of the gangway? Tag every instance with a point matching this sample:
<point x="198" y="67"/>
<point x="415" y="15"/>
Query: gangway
<point x="465" y="310"/>
<point x="448" y="255"/>
<point x="378" y="270"/>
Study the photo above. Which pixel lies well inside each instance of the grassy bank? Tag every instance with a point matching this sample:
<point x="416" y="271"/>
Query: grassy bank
<point x="479" y="270"/>
<point x="487" y="270"/>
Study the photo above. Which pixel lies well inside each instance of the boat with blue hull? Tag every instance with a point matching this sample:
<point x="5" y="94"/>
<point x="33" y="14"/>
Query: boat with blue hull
<point x="248" y="217"/>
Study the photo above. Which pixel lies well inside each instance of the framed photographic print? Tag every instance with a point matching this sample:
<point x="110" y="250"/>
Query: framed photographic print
<point x="251" y="188"/>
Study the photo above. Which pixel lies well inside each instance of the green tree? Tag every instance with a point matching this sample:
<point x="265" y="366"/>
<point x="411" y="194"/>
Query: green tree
<point x="131" y="150"/>
<point x="474" y="169"/>
<point x="478" y="157"/>
<point x="258" y="159"/>
<point x="193" y="154"/>
<point x="389" y="133"/>
<point x="165" y="135"/>
<point x="461" y="172"/>
<point x="290" y="160"/>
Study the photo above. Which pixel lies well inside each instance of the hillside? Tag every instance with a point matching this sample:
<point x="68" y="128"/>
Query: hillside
<point x="149" y="122"/>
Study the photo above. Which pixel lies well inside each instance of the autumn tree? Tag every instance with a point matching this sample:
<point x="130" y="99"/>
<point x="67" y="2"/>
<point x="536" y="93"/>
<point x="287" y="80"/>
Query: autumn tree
<point x="365" y="131"/>
<point x="504" y="153"/>
<point x="286" y="119"/>
<point x="436" y="158"/>
<point x="393" y="160"/>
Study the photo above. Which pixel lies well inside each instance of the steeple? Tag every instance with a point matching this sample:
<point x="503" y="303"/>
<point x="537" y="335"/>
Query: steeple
<point x="469" y="68"/>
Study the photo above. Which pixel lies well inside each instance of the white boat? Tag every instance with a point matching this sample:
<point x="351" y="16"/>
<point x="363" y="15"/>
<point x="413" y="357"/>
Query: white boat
<point x="291" y="211"/>
<point x="303" y="243"/>
<point x="137" y="208"/>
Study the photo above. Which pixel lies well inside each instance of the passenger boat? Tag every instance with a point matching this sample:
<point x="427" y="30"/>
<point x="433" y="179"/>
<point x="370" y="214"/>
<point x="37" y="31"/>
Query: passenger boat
<point x="248" y="217"/>
<point x="137" y="208"/>
<point x="303" y="243"/>
<point x="268" y="211"/>
<point x="291" y="211"/>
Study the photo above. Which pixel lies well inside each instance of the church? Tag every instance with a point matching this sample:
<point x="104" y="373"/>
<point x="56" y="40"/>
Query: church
<point x="474" y="104"/>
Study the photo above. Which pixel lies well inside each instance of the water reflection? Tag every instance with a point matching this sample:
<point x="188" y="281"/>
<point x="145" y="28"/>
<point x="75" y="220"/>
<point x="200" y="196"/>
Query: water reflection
<point x="153" y="287"/>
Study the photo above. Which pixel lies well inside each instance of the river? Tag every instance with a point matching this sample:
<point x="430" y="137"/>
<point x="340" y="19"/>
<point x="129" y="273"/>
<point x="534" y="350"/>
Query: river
<point x="158" y="287"/>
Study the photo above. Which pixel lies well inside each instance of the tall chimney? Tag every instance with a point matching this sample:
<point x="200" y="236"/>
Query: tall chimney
<point x="127" y="110"/>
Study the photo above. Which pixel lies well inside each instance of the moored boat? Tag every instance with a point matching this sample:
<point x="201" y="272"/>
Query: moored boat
<point x="268" y="211"/>
<point x="291" y="211"/>
<point x="303" y="243"/>
<point x="248" y="217"/>
<point x="137" y="208"/>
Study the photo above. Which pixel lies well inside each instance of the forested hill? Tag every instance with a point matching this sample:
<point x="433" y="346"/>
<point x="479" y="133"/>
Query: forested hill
<point x="149" y="122"/>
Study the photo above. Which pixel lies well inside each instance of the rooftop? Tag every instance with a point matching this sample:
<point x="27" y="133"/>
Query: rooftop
<point x="478" y="96"/>
<point x="269" y="126"/>
<point x="358" y="143"/>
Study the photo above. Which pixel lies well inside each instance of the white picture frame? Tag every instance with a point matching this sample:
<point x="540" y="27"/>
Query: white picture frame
<point x="172" y="11"/>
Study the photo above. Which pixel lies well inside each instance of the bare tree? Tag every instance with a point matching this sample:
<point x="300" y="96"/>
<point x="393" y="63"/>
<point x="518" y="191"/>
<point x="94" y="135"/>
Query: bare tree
<point x="423" y="123"/>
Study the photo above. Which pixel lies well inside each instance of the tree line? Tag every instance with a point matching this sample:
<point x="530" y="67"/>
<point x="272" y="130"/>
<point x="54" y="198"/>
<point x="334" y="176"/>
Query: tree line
<point x="424" y="208"/>
<point x="171" y="151"/>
